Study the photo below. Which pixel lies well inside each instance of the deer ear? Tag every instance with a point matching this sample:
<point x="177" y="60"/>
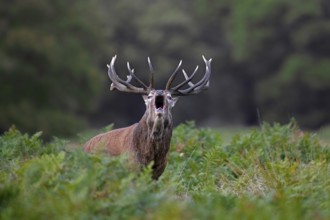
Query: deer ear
<point x="174" y="100"/>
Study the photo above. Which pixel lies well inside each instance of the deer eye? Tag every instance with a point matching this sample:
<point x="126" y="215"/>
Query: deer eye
<point x="169" y="97"/>
<point x="149" y="96"/>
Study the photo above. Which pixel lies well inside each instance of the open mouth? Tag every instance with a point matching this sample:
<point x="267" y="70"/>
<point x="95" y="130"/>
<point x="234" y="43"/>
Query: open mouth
<point x="159" y="102"/>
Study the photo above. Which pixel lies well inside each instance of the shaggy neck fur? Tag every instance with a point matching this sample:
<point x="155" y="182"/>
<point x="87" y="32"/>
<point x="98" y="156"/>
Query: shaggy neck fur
<point x="152" y="137"/>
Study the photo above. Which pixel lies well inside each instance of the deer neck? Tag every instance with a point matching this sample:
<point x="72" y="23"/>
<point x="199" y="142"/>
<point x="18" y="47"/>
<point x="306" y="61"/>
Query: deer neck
<point x="152" y="138"/>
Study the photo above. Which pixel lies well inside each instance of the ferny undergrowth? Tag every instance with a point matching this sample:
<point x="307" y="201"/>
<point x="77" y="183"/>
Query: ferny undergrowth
<point x="273" y="172"/>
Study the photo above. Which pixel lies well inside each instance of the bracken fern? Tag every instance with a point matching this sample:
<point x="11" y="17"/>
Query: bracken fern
<point x="274" y="172"/>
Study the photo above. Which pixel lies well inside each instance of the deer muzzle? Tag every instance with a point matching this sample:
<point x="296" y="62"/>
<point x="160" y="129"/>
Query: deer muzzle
<point x="159" y="105"/>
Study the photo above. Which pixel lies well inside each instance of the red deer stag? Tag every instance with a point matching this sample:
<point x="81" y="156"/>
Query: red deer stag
<point x="149" y="139"/>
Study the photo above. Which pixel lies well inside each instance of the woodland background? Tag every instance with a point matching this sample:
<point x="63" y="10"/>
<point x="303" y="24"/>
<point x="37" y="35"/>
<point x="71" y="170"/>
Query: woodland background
<point x="271" y="61"/>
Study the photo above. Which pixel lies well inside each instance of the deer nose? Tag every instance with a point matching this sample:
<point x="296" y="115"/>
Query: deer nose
<point x="159" y="92"/>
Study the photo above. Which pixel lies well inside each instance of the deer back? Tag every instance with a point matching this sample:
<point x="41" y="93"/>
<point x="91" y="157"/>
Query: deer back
<point x="113" y="142"/>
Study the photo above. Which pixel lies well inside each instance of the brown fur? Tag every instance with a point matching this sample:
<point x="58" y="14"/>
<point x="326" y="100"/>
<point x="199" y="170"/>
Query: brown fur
<point x="114" y="142"/>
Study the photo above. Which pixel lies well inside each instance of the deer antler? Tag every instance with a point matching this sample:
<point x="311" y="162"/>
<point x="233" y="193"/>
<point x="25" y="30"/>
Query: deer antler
<point x="193" y="88"/>
<point x="126" y="86"/>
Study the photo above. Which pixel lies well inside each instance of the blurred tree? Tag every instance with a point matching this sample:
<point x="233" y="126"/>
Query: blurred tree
<point x="254" y="44"/>
<point x="272" y="56"/>
<point x="49" y="64"/>
<point x="278" y="59"/>
<point x="293" y="48"/>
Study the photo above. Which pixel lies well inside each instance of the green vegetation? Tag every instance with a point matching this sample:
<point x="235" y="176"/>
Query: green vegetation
<point x="275" y="172"/>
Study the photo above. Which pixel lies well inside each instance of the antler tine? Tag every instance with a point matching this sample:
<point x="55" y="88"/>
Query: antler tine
<point x="121" y="85"/>
<point x="197" y="87"/>
<point x="113" y="75"/>
<point x="131" y="72"/>
<point x="187" y="81"/>
<point x="170" y="81"/>
<point x="151" y="80"/>
<point x="204" y="82"/>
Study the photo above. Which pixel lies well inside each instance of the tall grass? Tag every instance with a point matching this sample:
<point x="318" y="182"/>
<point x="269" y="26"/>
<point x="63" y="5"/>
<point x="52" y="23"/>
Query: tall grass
<point x="275" y="172"/>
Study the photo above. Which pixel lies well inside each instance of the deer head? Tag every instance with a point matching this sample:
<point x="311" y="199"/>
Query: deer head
<point x="158" y="111"/>
<point x="159" y="102"/>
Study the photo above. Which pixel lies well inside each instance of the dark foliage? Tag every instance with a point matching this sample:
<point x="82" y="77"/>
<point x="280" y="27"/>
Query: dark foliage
<point x="270" y="60"/>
